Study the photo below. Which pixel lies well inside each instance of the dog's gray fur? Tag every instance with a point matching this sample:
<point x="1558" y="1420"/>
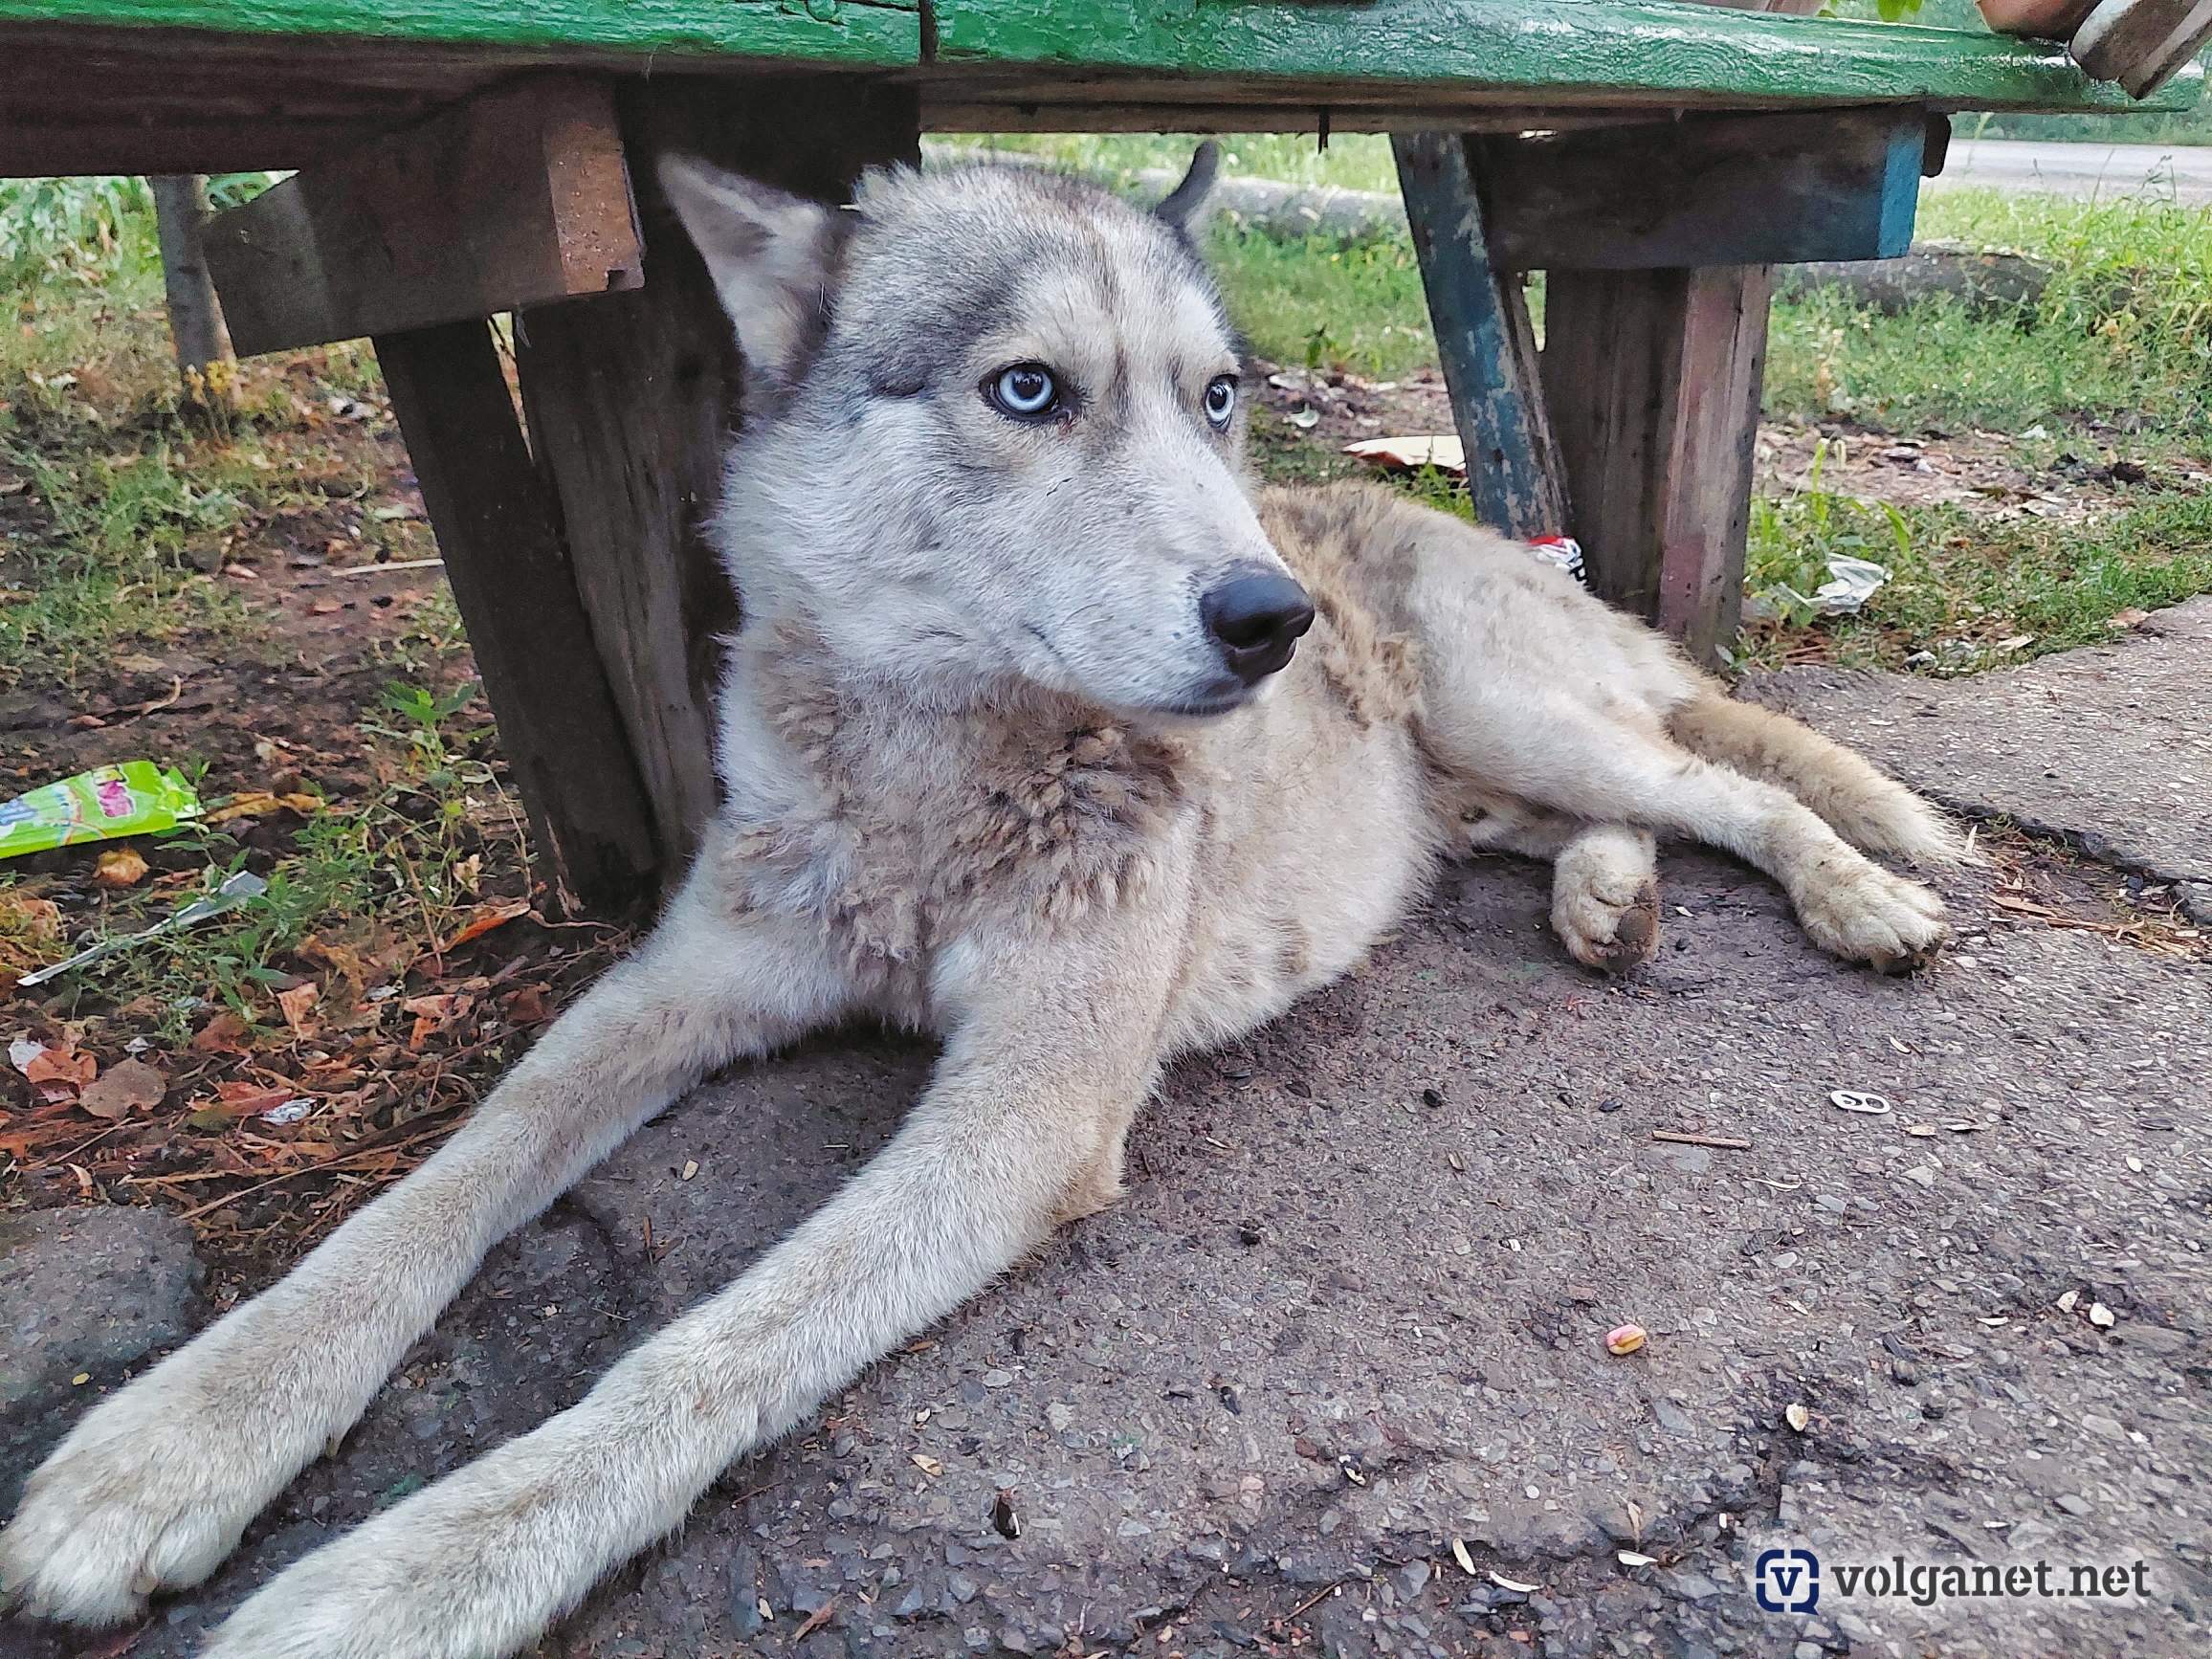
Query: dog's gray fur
<point x="966" y="793"/>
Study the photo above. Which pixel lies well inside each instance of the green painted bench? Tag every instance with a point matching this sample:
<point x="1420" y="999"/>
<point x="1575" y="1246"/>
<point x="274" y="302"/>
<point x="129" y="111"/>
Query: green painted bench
<point x="464" y="158"/>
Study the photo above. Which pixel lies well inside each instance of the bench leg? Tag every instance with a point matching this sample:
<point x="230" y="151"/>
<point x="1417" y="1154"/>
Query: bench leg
<point x="629" y="398"/>
<point x="1653" y="380"/>
<point x="564" y="743"/>
<point x="1483" y="338"/>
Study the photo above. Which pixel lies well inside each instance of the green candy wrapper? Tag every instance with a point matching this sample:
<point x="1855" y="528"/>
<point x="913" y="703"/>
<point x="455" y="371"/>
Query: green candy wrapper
<point x="105" y="803"/>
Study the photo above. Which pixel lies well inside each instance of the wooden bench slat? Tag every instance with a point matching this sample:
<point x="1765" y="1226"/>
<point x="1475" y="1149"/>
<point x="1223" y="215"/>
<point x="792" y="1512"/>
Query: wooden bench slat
<point x="1636" y="50"/>
<point x="518" y="197"/>
<point x="843" y="31"/>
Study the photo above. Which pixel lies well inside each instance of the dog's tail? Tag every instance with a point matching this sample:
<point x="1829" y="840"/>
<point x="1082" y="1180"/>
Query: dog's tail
<point x="1871" y="811"/>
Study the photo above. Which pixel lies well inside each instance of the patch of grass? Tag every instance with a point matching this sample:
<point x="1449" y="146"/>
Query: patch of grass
<point x="1325" y="303"/>
<point x="1970" y="593"/>
<point x="2120" y="343"/>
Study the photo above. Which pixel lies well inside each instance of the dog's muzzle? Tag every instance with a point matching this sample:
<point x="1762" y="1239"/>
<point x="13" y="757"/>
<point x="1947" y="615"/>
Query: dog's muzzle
<point x="1255" y="619"/>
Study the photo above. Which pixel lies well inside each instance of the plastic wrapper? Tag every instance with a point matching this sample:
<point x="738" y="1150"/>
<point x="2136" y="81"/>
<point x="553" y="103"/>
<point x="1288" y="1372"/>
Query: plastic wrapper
<point x="106" y="803"/>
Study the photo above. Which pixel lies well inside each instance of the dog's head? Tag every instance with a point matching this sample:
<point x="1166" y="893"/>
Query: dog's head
<point x="995" y="431"/>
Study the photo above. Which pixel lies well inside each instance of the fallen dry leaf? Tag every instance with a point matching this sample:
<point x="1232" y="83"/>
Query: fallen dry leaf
<point x="58" y="1073"/>
<point x="1441" y="451"/>
<point x="814" y="1621"/>
<point x="298" y="1005"/>
<point x="528" y="1007"/>
<point x="223" y="1034"/>
<point x="928" y="1463"/>
<point x="119" y="867"/>
<point x="128" y="1086"/>
<point x="484" y="918"/>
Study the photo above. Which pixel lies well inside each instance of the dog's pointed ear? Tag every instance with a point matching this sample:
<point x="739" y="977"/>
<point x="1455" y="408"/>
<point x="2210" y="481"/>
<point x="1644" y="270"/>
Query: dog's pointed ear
<point x="1186" y="206"/>
<point x="769" y="252"/>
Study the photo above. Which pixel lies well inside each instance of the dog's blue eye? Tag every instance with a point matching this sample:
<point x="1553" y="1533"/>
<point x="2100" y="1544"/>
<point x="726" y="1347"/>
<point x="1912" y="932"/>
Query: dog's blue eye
<point x="1025" y="392"/>
<point x="1220" y="398"/>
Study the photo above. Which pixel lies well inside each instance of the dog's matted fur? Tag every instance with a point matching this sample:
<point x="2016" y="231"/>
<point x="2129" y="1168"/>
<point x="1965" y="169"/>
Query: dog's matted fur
<point x="1017" y="753"/>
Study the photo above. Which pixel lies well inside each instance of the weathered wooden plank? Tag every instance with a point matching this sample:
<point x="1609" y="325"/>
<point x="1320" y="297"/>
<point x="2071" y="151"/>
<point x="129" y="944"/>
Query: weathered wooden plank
<point x="878" y="31"/>
<point x="1483" y="338"/>
<point x="517" y="197"/>
<point x="1652" y="378"/>
<point x="1741" y="189"/>
<point x="630" y="399"/>
<point x="559" y="728"/>
<point x="1631" y="47"/>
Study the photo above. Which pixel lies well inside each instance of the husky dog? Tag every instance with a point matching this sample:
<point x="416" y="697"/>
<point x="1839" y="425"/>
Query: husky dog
<point x="1048" y="733"/>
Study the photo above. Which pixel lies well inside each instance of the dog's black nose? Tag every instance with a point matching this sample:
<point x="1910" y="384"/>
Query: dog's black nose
<point x="1257" y="619"/>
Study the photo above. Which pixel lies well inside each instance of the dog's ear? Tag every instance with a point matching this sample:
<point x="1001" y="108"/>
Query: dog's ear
<point x="769" y="252"/>
<point x="1186" y="206"/>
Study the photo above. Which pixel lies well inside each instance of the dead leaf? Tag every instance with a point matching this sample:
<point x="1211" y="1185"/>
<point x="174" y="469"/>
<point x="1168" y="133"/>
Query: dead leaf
<point x="246" y="1100"/>
<point x="814" y="1621"/>
<point x="296" y="1005"/>
<point x="484" y="918"/>
<point x="58" y="1073"/>
<point x="127" y="1086"/>
<point x="119" y="867"/>
<point x="527" y="1006"/>
<point x="928" y="1463"/>
<point x="1441" y="451"/>
<point x="223" y="1034"/>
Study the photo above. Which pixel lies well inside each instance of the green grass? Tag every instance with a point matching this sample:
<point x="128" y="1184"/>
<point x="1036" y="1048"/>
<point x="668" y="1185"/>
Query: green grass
<point x="1970" y="593"/>
<point x="1326" y="303"/>
<point x="2121" y="337"/>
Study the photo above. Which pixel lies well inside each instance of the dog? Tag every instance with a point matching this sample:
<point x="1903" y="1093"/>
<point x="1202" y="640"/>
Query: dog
<point x="1047" y="732"/>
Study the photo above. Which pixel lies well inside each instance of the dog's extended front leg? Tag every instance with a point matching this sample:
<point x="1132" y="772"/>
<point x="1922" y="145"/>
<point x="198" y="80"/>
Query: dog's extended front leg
<point x="152" y="1490"/>
<point x="1053" y="1040"/>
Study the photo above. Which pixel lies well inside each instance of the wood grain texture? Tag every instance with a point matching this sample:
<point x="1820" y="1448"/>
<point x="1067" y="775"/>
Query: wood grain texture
<point x="1633" y="48"/>
<point x="563" y="739"/>
<point x="1734" y="190"/>
<point x="630" y="399"/>
<point x="1652" y="378"/>
<point x="513" y="198"/>
<point x="1483" y="338"/>
<point x="878" y="31"/>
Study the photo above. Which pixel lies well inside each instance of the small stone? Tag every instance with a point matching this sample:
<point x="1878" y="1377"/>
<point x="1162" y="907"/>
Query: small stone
<point x="1797" y="1416"/>
<point x="996" y="1378"/>
<point x="1412" y="1579"/>
<point x="1059" y="1417"/>
<point x="2073" y="1503"/>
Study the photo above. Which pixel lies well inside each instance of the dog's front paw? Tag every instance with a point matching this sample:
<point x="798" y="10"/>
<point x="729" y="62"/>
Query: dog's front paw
<point x="149" y="1493"/>
<point x="461" y="1570"/>
<point x="1862" y="913"/>
<point x="1609" y="924"/>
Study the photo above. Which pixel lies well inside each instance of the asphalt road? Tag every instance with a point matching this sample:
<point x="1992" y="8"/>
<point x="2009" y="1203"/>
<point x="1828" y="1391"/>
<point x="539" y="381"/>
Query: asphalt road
<point x="2088" y="172"/>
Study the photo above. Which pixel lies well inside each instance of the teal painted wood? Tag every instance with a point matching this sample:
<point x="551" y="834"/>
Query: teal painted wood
<point x="1547" y="49"/>
<point x="873" y="32"/>
<point x="1904" y="164"/>
<point x="1483" y="341"/>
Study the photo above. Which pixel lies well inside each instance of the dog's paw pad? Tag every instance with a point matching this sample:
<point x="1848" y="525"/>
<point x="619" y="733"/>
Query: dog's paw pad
<point x="1615" y="932"/>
